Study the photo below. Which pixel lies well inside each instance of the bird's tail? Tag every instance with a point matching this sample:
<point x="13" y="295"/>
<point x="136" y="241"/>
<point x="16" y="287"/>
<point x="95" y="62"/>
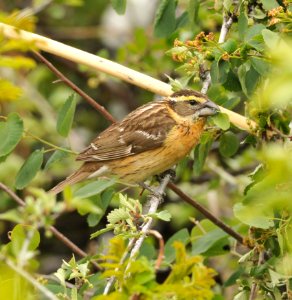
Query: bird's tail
<point x="79" y="175"/>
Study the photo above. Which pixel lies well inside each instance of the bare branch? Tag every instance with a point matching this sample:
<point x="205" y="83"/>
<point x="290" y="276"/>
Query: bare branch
<point x="111" y="68"/>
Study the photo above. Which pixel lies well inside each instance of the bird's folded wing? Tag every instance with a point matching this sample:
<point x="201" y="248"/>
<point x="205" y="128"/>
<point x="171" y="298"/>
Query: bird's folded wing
<point x="135" y="134"/>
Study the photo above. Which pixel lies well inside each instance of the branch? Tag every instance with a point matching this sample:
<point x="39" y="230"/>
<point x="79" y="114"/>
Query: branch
<point x="135" y="244"/>
<point x="159" y="259"/>
<point x="154" y="202"/>
<point x="206" y="213"/>
<point x="53" y="229"/>
<point x="227" y="22"/>
<point x="75" y="88"/>
<point x="109" y="67"/>
<point x="254" y="287"/>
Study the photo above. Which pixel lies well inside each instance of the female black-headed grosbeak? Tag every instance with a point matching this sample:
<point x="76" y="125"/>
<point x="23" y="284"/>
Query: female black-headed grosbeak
<point x="148" y="141"/>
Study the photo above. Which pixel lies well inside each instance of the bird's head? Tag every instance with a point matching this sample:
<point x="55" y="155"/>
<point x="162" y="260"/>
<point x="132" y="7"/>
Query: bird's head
<point x="192" y="104"/>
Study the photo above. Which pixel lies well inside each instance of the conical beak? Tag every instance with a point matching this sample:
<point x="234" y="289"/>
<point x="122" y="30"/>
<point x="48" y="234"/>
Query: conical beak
<point x="208" y="108"/>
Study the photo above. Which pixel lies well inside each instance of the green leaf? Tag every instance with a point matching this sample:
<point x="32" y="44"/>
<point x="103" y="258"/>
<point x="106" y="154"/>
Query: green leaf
<point x="201" y="152"/>
<point x="103" y="202"/>
<point x="229" y="46"/>
<point x="10" y="133"/>
<point x="260" y="65"/>
<point x="165" y="22"/>
<point x="269" y="4"/>
<point x="208" y="240"/>
<point x="272" y="39"/>
<point x="233" y="277"/>
<point x="17" y="62"/>
<point x="221" y="120"/>
<point x="229" y="144"/>
<point x="219" y="71"/>
<point x="257" y="215"/>
<point x="117" y="215"/>
<point x="248" y="78"/>
<point x="87" y="206"/>
<point x="12" y="215"/>
<point x="119" y="6"/>
<point x="182" y="236"/>
<point x="254" y="38"/>
<point x="29" y="169"/>
<point x="227" y="4"/>
<point x="93" y="188"/>
<point x="193" y="11"/>
<point x="65" y="116"/>
<point x="242" y="23"/>
<point x="55" y="157"/>
<point x="164" y="215"/>
<point x="22" y="233"/>
<point x="254" y="31"/>
<point x="232" y="83"/>
<point x="223" y="67"/>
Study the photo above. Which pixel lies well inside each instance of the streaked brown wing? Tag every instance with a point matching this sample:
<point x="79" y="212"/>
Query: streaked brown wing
<point x="144" y="129"/>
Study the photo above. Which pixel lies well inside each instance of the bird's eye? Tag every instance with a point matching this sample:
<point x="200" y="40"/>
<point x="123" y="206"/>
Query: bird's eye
<point x="193" y="102"/>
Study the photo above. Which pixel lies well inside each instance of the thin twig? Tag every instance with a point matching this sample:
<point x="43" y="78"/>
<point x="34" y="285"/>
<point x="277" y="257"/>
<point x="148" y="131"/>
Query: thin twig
<point x="75" y="88"/>
<point x="53" y="229"/>
<point x="112" y="279"/>
<point x="206" y="213"/>
<point x="160" y="256"/>
<point x="254" y="287"/>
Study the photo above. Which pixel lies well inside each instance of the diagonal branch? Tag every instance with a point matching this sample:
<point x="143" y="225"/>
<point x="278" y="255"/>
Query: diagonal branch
<point x="75" y="88"/>
<point x="206" y="213"/>
<point x="110" y="67"/>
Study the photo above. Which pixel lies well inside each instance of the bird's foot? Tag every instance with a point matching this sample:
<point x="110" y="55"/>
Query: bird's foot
<point x="151" y="190"/>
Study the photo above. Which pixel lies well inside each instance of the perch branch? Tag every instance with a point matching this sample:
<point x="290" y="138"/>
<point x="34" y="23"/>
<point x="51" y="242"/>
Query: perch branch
<point x="109" y="67"/>
<point x="135" y="244"/>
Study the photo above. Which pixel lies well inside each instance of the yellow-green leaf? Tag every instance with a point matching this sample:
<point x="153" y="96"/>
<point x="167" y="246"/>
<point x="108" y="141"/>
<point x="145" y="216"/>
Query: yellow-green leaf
<point x="66" y="115"/>
<point x="29" y="169"/>
<point x="10" y="133"/>
<point x="8" y="91"/>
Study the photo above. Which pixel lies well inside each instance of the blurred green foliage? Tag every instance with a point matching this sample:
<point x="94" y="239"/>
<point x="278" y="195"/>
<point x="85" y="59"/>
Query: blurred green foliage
<point x="42" y="126"/>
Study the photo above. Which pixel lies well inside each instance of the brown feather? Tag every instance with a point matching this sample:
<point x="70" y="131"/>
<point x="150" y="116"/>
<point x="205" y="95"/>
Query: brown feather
<point x="84" y="172"/>
<point x="138" y="132"/>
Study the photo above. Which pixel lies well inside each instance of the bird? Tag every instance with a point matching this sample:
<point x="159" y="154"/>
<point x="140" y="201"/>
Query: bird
<point x="147" y="142"/>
